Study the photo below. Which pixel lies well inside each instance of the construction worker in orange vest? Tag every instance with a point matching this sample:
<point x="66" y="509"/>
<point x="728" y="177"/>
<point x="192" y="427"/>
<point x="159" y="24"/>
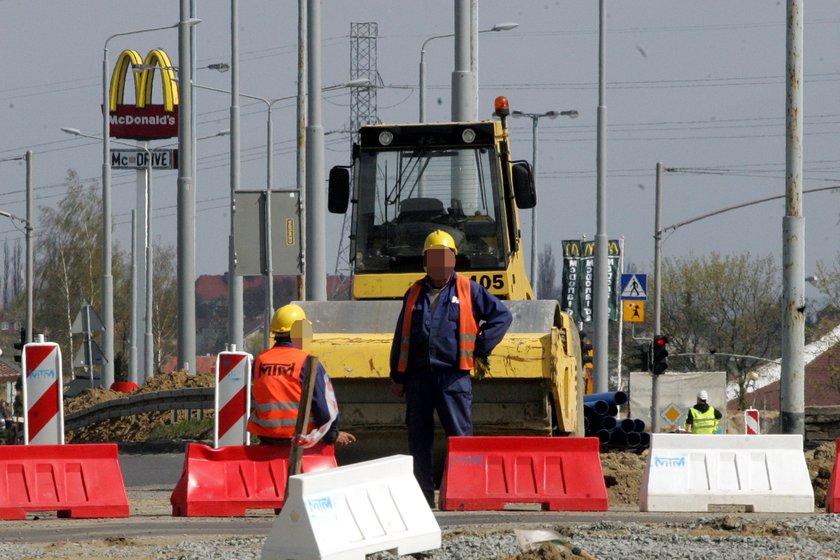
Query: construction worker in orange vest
<point x="277" y="387"/>
<point x="448" y="326"/>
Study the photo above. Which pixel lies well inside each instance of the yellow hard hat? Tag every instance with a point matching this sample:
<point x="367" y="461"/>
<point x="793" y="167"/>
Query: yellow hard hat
<point x="285" y="317"/>
<point x="439" y="239"/>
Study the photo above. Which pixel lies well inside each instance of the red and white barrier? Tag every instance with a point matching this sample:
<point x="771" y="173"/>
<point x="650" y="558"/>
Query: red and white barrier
<point x="233" y="398"/>
<point x="42" y="394"/>
<point x="752" y="427"/>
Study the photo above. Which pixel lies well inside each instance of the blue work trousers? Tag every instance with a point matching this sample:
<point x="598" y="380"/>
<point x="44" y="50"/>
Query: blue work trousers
<point x="448" y="393"/>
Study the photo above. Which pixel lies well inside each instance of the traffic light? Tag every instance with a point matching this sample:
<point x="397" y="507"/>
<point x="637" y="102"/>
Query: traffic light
<point x="644" y="357"/>
<point x="659" y="354"/>
<point x="19" y="345"/>
<point x="585" y="350"/>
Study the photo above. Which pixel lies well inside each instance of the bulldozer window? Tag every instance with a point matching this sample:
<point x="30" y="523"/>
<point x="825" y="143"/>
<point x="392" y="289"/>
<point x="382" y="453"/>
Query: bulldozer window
<point x="404" y="194"/>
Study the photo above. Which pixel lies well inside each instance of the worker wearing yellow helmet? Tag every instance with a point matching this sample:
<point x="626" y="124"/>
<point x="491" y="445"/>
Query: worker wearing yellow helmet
<point x="277" y="388"/>
<point x="448" y="326"/>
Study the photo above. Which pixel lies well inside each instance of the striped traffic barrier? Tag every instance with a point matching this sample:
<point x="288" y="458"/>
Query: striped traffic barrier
<point x="232" y="398"/>
<point x="751" y="424"/>
<point x="42" y="395"/>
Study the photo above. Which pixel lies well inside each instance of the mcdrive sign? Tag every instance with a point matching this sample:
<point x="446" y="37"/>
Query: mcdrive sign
<point x="143" y="120"/>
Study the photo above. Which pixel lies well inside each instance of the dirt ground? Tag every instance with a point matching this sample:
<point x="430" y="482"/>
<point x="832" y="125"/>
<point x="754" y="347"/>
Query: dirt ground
<point x="135" y="428"/>
<point x="623" y="470"/>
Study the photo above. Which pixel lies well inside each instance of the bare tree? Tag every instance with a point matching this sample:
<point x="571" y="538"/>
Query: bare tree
<point x="68" y="261"/>
<point x="165" y="305"/>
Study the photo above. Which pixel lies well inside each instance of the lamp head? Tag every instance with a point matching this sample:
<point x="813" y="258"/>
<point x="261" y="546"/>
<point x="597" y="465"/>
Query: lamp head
<point x="505" y="26"/>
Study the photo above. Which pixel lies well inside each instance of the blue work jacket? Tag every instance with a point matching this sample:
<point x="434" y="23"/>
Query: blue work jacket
<point x="434" y="340"/>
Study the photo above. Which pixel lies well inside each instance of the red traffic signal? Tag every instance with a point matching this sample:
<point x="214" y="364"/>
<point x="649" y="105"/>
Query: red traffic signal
<point x="659" y="353"/>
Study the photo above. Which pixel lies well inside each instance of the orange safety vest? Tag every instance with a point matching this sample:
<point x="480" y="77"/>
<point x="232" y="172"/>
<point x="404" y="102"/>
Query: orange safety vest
<point x="467" y="326"/>
<point x="277" y="392"/>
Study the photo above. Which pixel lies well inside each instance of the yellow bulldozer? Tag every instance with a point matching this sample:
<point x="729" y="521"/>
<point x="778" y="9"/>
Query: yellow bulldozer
<point x="406" y="181"/>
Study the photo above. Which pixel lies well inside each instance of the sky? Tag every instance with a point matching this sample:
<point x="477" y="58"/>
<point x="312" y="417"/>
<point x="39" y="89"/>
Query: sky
<point x="698" y="86"/>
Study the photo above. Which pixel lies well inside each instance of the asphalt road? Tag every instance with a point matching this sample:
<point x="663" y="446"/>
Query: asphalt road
<point x="159" y="469"/>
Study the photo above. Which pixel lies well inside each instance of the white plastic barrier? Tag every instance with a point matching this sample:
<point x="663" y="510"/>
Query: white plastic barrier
<point x="690" y="472"/>
<point x="347" y="512"/>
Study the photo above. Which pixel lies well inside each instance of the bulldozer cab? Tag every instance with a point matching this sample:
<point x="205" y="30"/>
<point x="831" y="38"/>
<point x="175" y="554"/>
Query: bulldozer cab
<point x="412" y="179"/>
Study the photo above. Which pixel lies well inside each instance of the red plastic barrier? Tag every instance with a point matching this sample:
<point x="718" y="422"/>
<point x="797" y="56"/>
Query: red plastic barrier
<point x="832" y="493"/>
<point x="226" y="482"/>
<point x="124" y="386"/>
<point x="485" y="473"/>
<point x="74" y="480"/>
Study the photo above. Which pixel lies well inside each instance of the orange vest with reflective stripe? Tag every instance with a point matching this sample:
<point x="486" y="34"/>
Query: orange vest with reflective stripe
<point x="467" y="327"/>
<point x="276" y="392"/>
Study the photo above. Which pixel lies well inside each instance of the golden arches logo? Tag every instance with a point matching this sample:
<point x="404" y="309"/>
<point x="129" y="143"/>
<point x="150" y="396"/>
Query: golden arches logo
<point x="143" y="120"/>
<point x="144" y="81"/>
<point x="571" y="248"/>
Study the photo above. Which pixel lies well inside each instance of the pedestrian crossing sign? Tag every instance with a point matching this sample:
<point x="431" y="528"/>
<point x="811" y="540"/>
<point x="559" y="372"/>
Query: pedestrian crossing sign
<point x="634" y="286"/>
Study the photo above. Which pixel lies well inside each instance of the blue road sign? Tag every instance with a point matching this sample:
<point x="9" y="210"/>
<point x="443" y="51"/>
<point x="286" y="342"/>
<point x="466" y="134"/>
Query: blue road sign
<point x="634" y="287"/>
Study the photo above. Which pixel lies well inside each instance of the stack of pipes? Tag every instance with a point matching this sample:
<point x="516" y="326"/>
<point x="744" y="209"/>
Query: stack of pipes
<point x="601" y="420"/>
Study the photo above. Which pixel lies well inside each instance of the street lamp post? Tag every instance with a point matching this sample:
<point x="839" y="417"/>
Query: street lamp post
<point x="28" y="228"/>
<point x="535" y="117"/>
<point x="505" y="26"/>
<point x="107" y="278"/>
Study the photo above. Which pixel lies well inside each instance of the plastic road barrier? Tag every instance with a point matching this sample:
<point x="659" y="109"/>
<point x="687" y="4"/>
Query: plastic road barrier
<point x="690" y="472"/>
<point x="228" y="481"/>
<point x="78" y="481"/>
<point x="42" y="396"/>
<point x="485" y="473"/>
<point x="233" y="399"/>
<point x="354" y="510"/>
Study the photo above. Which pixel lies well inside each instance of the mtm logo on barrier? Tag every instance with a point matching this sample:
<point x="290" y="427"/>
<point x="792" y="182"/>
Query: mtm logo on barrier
<point x="42" y="393"/>
<point x="143" y="120"/>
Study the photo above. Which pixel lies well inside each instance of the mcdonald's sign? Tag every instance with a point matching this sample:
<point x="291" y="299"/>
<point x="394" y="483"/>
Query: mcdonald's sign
<point x="143" y="120"/>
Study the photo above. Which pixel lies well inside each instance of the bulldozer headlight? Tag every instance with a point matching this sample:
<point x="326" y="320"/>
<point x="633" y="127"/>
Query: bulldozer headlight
<point x="386" y="137"/>
<point x="468" y="135"/>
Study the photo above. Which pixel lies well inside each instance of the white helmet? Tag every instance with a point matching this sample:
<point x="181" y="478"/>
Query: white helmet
<point x="703" y="395"/>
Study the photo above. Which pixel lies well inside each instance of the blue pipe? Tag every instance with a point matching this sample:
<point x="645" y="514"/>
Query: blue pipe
<point x="597" y="408"/>
<point x="627" y="425"/>
<point x="617" y="398"/>
<point x="603" y="436"/>
<point x="640" y="424"/>
<point x="617" y="437"/>
<point x="608" y="423"/>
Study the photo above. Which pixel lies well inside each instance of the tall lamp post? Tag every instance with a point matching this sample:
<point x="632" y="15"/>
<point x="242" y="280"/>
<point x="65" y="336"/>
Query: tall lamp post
<point x="107" y="278"/>
<point x="535" y="118"/>
<point x="505" y="26"/>
<point x="28" y="227"/>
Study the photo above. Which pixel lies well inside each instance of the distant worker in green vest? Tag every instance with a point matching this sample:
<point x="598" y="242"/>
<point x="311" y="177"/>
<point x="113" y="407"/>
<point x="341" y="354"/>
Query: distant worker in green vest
<point x="702" y="418"/>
